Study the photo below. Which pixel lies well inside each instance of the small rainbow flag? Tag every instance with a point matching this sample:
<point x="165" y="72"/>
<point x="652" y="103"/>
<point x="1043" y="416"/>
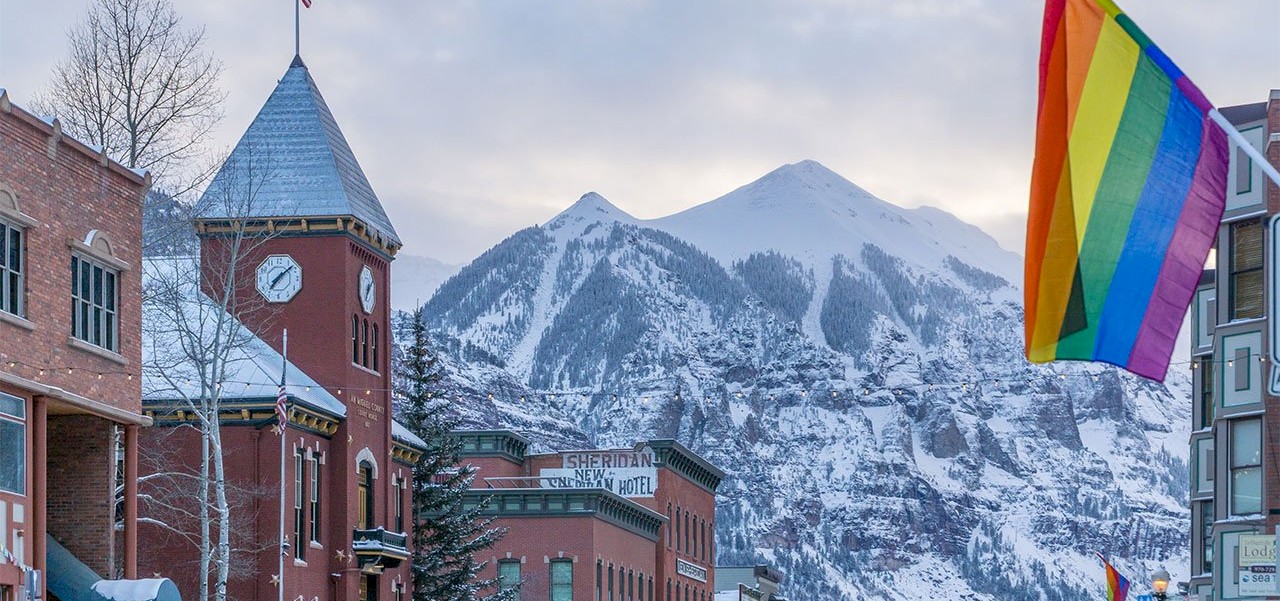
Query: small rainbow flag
<point x="1127" y="191"/>
<point x="1117" y="584"/>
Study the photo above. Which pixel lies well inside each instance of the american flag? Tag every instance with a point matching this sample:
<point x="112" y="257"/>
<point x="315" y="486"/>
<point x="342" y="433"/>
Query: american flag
<point x="306" y="3"/>
<point x="280" y="402"/>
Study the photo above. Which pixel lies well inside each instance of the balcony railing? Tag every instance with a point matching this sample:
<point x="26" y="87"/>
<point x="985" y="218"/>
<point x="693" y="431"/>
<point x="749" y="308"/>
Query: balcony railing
<point x="381" y="546"/>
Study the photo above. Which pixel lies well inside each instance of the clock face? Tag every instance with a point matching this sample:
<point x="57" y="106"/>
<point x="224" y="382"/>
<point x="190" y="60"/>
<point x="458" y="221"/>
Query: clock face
<point x="279" y="278"/>
<point x="366" y="291"/>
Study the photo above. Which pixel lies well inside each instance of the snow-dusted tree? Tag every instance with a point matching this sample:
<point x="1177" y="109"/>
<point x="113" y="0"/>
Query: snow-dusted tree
<point x="446" y="536"/>
<point x="193" y="343"/>
<point x="139" y="84"/>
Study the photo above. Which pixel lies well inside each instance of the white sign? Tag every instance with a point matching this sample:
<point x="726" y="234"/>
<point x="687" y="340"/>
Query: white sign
<point x="625" y="473"/>
<point x="690" y="570"/>
<point x="1257" y="550"/>
<point x="1258" y="581"/>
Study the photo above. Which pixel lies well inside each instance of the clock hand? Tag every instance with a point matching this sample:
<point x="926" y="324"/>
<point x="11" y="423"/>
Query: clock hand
<point x="368" y="288"/>
<point x="280" y="277"/>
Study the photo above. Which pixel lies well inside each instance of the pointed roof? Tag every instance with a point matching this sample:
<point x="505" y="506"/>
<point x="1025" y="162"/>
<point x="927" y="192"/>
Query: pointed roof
<point x="307" y="167"/>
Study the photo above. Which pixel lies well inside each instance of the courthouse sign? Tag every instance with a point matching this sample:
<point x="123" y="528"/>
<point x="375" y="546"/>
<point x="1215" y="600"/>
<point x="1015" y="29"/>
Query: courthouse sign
<point x="626" y="473"/>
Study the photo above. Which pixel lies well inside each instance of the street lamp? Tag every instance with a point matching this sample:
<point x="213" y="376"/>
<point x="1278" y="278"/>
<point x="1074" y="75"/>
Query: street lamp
<point x="1159" y="583"/>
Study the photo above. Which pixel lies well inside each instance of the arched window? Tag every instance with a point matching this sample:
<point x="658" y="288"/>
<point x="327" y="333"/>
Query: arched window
<point x="355" y="339"/>
<point x="599" y="578"/>
<point x="694" y="532"/>
<point x="640" y="587"/>
<point x="375" y="347"/>
<point x="677" y="528"/>
<point x="611" y="598"/>
<point x="703" y="529"/>
<point x="687" y="548"/>
<point x="364" y="343"/>
<point x="364" y="496"/>
<point x="668" y="528"/>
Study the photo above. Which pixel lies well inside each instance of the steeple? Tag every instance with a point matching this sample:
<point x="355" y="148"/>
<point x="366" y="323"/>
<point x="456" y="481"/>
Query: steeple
<point x="294" y="162"/>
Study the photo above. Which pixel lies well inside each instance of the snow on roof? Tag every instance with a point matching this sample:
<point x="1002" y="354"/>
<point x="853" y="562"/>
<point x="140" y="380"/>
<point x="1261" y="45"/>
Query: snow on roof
<point x="252" y="368"/>
<point x="311" y="170"/>
<point x="147" y="589"/>
<point x="402" y="434"/>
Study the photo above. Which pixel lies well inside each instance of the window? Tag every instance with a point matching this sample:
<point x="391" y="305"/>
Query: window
<point x="687" y="548"/>
<point x="640" y="587"/>
<point x="668" y="590"/>
<point x="704" y="540"/>
<point x="12" y="290"/>
<point x="631" y="585"/>
<point x="315" y="498"/>
<point x="93" y="303"/>
<point x="399" y="502"/>
<point x="368" y="587"/>
<point x="1206" y="391"/>
<point x="668" y="528"/>
<point x="1244" y="171"/>
<point x="677" y="528"/>
<point x="1245" y="283"/>
<point x="611" y="598"/>
<point x="694" y="531"/>
<point x="509" y="576"/>
<point x="562" y="580"/>
<point x="13" y="444"/>
<point x="299" y="485"/>
<point x="364" y="343"/>
<point x="355" y="339"/>
<point x="375" y="347"/>
<point x="1246" y="466"/>
<point x="651" y="588"/>
<point x="364" y="496"/>
<point x="1206" y="537"/>
<point x="599" y="579"/>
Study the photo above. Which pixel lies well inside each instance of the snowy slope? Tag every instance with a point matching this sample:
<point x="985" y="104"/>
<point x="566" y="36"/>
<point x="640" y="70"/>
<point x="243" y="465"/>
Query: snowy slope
<point x="854" y="366"/>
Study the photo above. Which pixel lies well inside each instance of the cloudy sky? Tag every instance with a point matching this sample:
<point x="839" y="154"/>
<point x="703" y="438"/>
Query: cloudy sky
<point x="474" y="118"/>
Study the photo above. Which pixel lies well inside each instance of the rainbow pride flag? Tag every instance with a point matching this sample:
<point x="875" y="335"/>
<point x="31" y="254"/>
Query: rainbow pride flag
<point x="1127" y="191"/>
<point x="1117" y="584"/>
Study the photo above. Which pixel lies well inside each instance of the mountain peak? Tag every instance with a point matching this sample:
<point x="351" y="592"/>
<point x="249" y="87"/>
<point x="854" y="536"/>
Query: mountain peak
<point x="591" y="208"/>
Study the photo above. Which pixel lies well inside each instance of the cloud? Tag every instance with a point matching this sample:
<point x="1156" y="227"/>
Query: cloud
<point x="474" y="119"/>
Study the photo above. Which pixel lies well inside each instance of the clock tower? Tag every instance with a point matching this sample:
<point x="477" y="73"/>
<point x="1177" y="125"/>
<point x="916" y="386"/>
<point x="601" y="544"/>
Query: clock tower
<point x="292" y="225"/>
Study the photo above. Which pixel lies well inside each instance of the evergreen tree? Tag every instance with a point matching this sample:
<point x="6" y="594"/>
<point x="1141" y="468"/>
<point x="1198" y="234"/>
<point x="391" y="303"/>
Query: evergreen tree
<point x="446" y="536"/>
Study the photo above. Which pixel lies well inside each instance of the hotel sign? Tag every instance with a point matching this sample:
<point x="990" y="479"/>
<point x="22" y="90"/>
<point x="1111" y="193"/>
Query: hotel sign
<point x="1256" y="563"/>
<point x="625" y="473"/>
<point x="690" y="570"/>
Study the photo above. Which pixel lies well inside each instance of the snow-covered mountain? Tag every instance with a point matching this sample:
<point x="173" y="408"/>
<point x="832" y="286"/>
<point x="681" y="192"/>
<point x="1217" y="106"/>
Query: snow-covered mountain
<point x="854" y="366"/>
<point x="414" y="279"/>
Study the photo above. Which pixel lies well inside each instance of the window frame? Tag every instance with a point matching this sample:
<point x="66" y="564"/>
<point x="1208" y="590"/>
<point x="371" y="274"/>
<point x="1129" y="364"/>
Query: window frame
<point x="11" y="418"/>
<point x="506" y="563"/>
<point x="1207" y="408"/>
<point x="364" y="496"/>
<point x="12" y="281"/>
<point x="90" y="318"/>
<point x="299" y="504"/>
<point x="562" y="587"/>
<point x="1235" y="468"/>
<point x="1233" y="272"/>
<point x="314" y="536"/>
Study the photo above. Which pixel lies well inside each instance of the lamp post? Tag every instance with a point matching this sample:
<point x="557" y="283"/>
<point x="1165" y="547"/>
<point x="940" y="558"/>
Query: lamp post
<point x="1159" y="584"/>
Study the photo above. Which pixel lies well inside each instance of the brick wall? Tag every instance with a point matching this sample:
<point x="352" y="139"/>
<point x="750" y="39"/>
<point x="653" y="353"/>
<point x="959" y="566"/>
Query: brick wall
<point x="70" y="195"/>
<point x="81" y="497"/>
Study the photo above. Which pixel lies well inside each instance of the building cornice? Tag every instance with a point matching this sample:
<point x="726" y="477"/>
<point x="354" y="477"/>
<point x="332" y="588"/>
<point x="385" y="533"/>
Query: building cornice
<point x="680" y="459"/>
<point x="595" y="502"/>
<point x="492" y="443"/>
<point x="330" y="225"/>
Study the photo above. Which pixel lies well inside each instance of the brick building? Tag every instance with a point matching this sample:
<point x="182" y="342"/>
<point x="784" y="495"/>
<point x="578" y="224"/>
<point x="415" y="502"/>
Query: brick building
<point x="316" y="262"/>
<point x="610" y="525"/>
<point x="70" y="412"/>
<point x="1235" y="492"/>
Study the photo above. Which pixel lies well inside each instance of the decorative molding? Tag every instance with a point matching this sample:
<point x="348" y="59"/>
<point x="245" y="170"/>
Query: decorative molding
<point x="97" y="245"/>
<point x="9" y="208"/>
<point x="17" y="320"/>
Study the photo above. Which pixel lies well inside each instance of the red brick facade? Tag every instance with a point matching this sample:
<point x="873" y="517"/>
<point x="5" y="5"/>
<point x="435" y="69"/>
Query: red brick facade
<point x="79" y="400"/>
<point x="626" y="538"/>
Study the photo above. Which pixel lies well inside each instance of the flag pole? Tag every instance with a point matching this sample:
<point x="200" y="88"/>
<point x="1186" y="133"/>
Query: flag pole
<point x="284" y="368"/>
<point x="297" y="28"/>
<point x="1245" y="145"/>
